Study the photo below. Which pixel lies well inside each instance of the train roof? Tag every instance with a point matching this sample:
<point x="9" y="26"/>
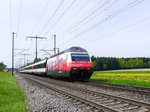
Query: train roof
<point x="75" y="49"/>
<point x="36" y="63"/>
<point x="71" y="49"/>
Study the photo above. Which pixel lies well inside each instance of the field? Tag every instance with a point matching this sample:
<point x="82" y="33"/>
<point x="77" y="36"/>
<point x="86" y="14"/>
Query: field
<point x="11" y="97"/>
<point x="132" y="78"/>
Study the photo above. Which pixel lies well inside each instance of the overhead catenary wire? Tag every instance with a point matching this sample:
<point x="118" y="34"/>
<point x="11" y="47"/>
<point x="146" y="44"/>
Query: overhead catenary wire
<point x="82" y="7"/>
<point x="85" y="22"/>
<point x="40" y="17"/>
<point x="19" y="14"/>
<point x="106" y="19"/>
<point x="115" y="32"/>
<point x="78" y="11"/>
<point x="89" y="13"/>
<point x="50" y="18"/>
<point x="10" y="16"/>
<point x="67" y="9"/>
<point x="32" y="47"/>
<point x="50" y="40"/>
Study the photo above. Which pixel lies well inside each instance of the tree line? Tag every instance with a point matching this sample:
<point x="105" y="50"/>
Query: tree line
<point x="112" y="63"/>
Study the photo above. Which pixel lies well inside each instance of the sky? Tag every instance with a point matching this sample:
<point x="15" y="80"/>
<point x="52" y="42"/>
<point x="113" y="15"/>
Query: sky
<point x="105" y="28"/>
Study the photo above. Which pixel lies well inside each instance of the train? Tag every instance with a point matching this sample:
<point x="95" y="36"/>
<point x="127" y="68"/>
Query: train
<point x="73" y="63"/>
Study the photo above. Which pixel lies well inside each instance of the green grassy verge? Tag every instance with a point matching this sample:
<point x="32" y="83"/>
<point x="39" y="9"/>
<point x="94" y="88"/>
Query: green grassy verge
<point x="135" y="78"/>
<point x="12" y="99"/>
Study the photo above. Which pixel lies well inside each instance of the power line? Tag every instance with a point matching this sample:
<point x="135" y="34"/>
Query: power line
<point x="85" y="22"/>
<point x="40" y="17"/>
<point x="10" y="16"/>
<point x="122" y="29"/>
<point x="51" y="17"/>
<point x="46" y="51"/>
<point x="106" y="19"/>
<point x="22" y="50"/>
<point x="109" y="17"/>
<point x="74" y="14"/>
<point x="48" y="43"/>
<point x="71" y="18"/>
<point x="60" y="17"/>
<point x="31" y="47"/>
<point x="90" y="13"/>
<point x="19" y="15"/>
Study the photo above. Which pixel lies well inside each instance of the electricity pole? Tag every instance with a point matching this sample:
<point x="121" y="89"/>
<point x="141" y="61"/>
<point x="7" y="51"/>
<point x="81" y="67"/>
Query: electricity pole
<point x="54" y="44"/>
<point x="13" y="52"/>
<point x="36" y="43"/>
<point x="25" y="57"/>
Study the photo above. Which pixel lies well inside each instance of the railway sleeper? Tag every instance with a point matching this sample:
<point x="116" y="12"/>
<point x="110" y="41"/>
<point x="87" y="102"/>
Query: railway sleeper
<point x="89" y="107"/>
<point x="107" y="101"/>
<point x="141" y="109"/>
<point x="129" y="108"/>
<point x="83" y="105"/>
<point x="103" y="99"/>
<point x="120" y="105"/>
<point x="113" y="103"/>
<point x="77" y="103"/>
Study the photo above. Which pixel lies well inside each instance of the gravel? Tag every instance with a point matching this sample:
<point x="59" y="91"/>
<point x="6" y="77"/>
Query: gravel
<point x="42" y="100"/>
<point x="45" y="100"/>
<point x="125" y="94"/>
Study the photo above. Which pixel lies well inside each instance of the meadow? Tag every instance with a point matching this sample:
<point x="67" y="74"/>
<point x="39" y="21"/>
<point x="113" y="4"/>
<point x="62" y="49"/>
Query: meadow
<point x="131" y="78"/>
<point x="12" y="98"/>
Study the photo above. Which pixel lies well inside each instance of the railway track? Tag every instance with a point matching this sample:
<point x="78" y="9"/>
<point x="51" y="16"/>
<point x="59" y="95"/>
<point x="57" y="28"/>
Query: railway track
<point x="140" y="90"/>
<point x="96" y="100"/>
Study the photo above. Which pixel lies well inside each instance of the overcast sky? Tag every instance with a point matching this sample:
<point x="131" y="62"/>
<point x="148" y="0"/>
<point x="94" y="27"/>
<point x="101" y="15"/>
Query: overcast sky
<point x="110" y="28"/>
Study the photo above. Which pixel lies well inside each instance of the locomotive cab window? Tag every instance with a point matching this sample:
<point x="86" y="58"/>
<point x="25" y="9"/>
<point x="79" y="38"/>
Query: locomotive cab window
<point x="80" y="57"/>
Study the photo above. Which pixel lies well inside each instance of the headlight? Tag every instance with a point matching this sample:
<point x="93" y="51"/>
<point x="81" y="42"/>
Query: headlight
<point x="74" y="68"/>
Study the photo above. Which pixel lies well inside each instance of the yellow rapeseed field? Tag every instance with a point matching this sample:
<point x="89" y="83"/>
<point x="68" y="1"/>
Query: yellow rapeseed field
<point x="127" y="76"/>
<point x="137" y="79"/>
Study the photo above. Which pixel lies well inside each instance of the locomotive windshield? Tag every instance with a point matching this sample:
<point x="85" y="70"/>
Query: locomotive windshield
<point x="80" y="57"/>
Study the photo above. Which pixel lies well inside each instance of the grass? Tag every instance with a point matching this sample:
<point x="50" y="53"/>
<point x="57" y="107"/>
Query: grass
<point x="12" y="99"/>
<point x="131" y="78"/>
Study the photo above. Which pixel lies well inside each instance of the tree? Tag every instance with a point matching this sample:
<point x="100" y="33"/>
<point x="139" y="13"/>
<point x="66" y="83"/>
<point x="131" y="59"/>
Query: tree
<point x="139" y="63"/>
<point x="131" y="63"/>
<point x="93" y="58"/>
<point x="36" y="60"/>
<point x="105" y="66"/>
<point x="148" y="63"/>
<point x="122" y="63"/>
<point x="94" y="65"/>
<point x="2" y="66"/>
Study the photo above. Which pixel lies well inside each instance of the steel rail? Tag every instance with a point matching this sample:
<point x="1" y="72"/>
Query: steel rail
<point x="135" y="102"/>
<point x="94" y="105"/>
<point x="119" y="87"/>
